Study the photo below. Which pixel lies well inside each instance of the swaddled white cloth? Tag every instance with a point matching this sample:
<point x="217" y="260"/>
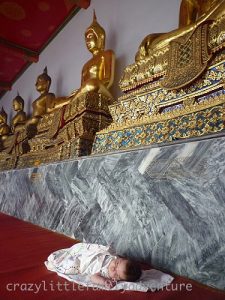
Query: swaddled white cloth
<point x="82" y="260"/>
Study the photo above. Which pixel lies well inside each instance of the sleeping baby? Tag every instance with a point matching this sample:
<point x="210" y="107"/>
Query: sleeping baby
<point x="97" y="261"/>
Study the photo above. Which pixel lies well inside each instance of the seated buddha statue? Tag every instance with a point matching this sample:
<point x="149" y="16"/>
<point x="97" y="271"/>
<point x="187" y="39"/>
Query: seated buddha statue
<point x="4" y="127"/>
<point x="44" y="101"/>
<point x="20" y="117"/>
<point x="98" y="72"/>
<point x="192" y="14"/>
<point x="87" y="111"/>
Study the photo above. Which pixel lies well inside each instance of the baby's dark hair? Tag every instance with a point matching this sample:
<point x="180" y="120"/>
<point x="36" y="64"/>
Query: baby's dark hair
<point x="132" y="271"/>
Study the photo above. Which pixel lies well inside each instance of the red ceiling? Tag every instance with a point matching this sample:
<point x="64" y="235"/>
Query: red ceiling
<point x="26" y="27"/>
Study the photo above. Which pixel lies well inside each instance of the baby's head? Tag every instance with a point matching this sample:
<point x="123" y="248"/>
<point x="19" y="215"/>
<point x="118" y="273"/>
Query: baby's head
<point x="124" y="269"/>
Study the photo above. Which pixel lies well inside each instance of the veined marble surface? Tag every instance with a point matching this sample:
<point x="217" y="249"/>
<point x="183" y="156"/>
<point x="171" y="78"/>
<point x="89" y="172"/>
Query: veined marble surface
<point x="165" y="205"/>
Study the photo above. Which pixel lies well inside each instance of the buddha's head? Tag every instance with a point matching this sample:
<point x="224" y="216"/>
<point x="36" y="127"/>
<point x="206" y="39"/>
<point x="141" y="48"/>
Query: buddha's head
<point x="43" y="82"/>
<point x="95" y="37"/>
<point x="18" y="103"/>
<point x="3" y="116"/>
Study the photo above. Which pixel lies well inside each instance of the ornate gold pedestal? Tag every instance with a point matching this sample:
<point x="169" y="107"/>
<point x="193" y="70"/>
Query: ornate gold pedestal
<point x="7" y="161"/>
<point x="68" y="132"/>
<point x="83" y="118"/>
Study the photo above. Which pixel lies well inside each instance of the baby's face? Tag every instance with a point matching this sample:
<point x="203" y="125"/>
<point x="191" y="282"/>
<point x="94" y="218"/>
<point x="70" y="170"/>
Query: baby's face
<point x="117" y="268"/>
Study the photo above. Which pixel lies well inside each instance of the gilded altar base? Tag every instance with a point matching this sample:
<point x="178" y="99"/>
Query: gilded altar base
<point x="69" y="132"/>
<point x="66" y="133"/>
<point x="7" y="161"/>
<point x="35" y="159"/>
<point x="152" y="114"/>
<point x="173" y="126"/>
<point x="82" y="119"/>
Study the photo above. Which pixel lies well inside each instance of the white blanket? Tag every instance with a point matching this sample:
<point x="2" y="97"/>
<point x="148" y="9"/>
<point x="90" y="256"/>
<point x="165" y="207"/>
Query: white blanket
<point x="150" y="280"/>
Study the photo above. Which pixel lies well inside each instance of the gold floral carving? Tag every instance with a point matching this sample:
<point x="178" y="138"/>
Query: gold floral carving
<point x="188" y="58"/>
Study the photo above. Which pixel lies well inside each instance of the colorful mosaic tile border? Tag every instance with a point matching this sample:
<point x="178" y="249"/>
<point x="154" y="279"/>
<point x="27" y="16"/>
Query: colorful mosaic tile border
<point x="194" y="124"/>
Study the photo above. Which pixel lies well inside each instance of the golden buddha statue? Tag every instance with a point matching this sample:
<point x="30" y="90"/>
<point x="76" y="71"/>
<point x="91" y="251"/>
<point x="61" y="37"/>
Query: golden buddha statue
<point x="9" y="142"/>
<point x="20" y="117"/>
<point x="88" y="107"/>
<point x="98" y="72"/>
<point x="191" y="10"/>
<point x="192" y="14"/>
<point x="44" y="102"/>
<point x="4" y="127"/>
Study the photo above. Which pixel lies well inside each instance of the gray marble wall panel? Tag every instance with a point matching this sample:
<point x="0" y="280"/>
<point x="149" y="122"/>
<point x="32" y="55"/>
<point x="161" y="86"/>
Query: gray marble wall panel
<point x="165" y="205"/>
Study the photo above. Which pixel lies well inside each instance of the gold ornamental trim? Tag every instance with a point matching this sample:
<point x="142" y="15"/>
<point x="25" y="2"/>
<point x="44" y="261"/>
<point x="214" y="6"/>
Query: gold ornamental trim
<point x="195" y="107"/>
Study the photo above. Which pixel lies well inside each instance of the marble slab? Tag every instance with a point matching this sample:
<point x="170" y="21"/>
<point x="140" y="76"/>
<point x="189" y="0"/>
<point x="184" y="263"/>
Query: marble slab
<point x="164" y="205"/>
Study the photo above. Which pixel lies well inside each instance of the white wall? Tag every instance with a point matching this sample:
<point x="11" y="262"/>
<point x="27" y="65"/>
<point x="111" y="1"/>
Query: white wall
<point x="126" y="23"/>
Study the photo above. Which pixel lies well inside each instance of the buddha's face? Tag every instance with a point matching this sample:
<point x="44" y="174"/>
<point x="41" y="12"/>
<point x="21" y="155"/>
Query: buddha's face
<point x="91" y="41"/>
<point x="17" y="105"/>
<point x="42" y="85"/>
